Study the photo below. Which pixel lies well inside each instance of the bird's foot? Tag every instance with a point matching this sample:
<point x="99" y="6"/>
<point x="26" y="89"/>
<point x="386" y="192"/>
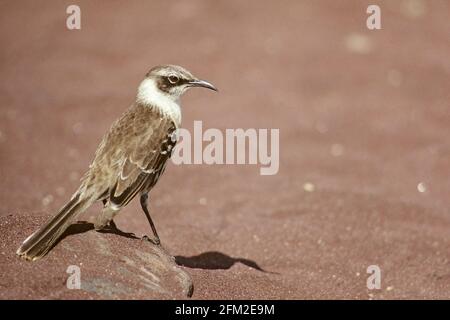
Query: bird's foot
<point x="155" y="240"/>
<point x="105" y="226"/>
<point x="100" y="227"/>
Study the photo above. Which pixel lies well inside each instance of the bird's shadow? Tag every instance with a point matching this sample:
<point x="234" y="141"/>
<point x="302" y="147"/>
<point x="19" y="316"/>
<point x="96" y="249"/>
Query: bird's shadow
<point x="213" y="260"/>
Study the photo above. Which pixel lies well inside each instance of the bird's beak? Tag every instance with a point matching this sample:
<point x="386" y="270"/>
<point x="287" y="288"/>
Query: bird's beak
<point x="202" y="83"/>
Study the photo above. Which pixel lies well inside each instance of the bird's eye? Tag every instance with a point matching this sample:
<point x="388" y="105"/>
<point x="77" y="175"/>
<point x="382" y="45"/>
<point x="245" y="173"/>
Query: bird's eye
<point x="173" y="79"/>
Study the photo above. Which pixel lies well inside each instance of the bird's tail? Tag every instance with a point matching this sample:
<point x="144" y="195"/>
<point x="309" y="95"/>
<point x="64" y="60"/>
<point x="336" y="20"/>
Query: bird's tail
<point x="41" y="241"/>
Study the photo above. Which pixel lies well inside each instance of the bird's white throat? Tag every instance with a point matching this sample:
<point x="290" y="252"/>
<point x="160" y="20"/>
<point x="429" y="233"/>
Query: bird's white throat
<point x="149" y="94"/>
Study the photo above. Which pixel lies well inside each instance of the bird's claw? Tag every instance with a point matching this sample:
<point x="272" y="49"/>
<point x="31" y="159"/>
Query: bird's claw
<point x="155" y="241"/>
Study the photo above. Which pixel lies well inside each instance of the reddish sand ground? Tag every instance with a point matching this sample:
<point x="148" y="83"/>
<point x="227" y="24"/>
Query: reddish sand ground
<point x="364" y="123"/>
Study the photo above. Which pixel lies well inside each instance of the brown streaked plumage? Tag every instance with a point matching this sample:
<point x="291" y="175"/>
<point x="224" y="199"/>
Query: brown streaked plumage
<point x="129" y="160"/>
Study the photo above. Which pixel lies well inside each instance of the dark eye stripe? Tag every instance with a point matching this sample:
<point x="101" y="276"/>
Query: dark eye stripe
<point x="164" y="83"/>
<point x="177" y="83"/>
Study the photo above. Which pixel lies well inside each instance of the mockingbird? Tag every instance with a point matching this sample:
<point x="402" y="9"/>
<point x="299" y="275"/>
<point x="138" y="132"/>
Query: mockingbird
<point x="129" y="160"/>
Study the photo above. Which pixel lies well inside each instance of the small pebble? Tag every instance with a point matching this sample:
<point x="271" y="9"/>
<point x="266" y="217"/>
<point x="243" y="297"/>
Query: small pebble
<point x="421" y="187"/>
<point x="337" y="150"/>
<point x="358" y="43"/>
<point x="414" y="8"/>
<point x="47" y="200"/>
<point x="308" y="187"/>
<point x="77" y="128"/>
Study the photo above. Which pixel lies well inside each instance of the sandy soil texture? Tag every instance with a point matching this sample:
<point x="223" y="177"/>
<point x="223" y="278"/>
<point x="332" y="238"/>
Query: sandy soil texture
<point x="364" y="119"/>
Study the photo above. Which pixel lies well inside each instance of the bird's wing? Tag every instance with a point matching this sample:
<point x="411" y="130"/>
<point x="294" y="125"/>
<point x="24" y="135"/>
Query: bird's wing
<point x="145" y="160"/>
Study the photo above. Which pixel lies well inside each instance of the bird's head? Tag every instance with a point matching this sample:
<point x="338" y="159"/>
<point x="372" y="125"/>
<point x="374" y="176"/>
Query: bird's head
<point x="170" y="81"/>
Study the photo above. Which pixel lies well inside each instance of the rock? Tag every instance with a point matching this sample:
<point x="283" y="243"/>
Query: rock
<point x="112" y="265"/>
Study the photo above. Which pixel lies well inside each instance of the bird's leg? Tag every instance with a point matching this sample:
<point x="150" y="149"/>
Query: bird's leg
<point x="143" y="200"/>
<point x="111" y="223"/>
<point x="105" y="219"/>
